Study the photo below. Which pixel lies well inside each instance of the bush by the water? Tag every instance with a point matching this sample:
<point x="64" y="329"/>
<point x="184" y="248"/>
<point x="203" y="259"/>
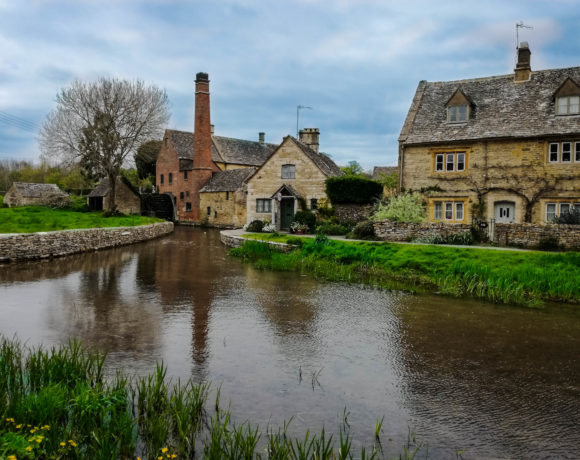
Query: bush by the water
<point x="332" y="229"/>
<point x="306" y="217"/>
<point x="407" y="207"/>
<point x="364" y="231"/>
<point x="352" y="189"/>
<point x="255" y="226"/>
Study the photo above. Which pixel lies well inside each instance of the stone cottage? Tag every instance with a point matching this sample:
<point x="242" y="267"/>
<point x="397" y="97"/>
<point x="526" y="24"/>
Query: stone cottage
<point x="127" y="199"/>
<point x="30" y="194"/>
<point x="191" y="162"/>
<point x="295" y="172"/>
<point x="504" y="147"/>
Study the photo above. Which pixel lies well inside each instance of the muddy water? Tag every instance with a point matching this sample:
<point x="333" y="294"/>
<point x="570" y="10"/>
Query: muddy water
<point x="492" y="381"/>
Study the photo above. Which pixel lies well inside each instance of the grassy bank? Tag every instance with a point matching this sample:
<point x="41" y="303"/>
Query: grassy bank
<point x="57" y="404"/>
<point x="31" y="219"/>
<point x="524" y="278"/>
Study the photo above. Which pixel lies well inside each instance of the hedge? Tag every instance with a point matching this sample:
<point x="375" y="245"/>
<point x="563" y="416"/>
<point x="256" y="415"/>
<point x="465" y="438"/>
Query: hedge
<point x="350" y="189"/>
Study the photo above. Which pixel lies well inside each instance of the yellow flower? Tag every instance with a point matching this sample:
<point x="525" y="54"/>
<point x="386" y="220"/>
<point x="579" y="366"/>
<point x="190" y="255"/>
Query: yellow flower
<point x="46" y="427"/>
<point x="72" y="443"/>
<point x="39" y="439"/>
<point x="10" y="420"/>
<point x="62" y="444"/>
<point x="173" y="456"/>
<point x="165" y="449"/>
<point x="19" y="426"/>
<point x="28" y="449"/>
<point x="160" y="458"/>
<point x="12" y="457"/>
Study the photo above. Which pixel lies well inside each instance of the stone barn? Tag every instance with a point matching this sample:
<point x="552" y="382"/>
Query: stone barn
<point x="28" y="194"/>
<point x="127" y="200"/>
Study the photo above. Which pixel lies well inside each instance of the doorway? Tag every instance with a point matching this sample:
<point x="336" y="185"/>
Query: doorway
<point x="286" y="212"/>
<point x="504" y="212"/>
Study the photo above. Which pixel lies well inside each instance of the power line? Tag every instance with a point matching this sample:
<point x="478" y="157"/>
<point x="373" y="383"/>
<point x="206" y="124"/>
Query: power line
<point x="17" y="122"/>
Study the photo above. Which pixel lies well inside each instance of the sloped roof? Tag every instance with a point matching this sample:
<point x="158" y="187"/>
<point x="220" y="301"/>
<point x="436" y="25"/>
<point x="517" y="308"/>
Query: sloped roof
<point x="384" y="170"/>
<point x="501" y="109"/>
<point x="324" y="162"/>
<point x="32" y="190"/>
<point x="103" y="188"/>
<point x="224" y="149"/>
<point x="228" y="181"/>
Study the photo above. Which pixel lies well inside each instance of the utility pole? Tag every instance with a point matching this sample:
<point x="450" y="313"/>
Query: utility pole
<point x="298" y="107"/>
<point x="520" y="25"/>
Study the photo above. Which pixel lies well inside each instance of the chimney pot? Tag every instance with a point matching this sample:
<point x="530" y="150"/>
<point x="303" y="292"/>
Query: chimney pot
<point x="523" y="67"/>
<point x="261" y="137"/>
<point x="310" y="136"/>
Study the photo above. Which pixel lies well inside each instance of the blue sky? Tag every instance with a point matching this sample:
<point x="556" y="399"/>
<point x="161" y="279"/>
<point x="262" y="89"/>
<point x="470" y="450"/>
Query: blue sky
<point x="356" y="62"/>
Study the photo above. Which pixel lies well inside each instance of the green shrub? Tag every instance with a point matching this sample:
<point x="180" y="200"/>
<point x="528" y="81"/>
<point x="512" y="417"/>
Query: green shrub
<point x="461" y="239"/>
<point x="332" y="229"/>
<point x="78" y="203"/>
<point x="571" y="218"/>
<point x="549" y="243"/>
<point x="255" y="226"/>
<point x="306" y="218"/>
<point x="364" y="230"/>
<point x="294" y="241"/>
<point x="407" y="207"/>
<point x="351" y="189"/>
<point x="1" y="201"/>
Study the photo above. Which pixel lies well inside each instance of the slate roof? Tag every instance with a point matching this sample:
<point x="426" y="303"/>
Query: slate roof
<point x="501" y="109"/>
<point x="31" y="190"/>
<point x="228" y="181"/>
<point x="103" y="187"/>
<point x="224" y="149"/>
<point x="324" y="162"/>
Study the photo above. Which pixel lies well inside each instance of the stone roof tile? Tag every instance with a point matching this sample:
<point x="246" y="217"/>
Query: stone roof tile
<point x="228" y="181"/>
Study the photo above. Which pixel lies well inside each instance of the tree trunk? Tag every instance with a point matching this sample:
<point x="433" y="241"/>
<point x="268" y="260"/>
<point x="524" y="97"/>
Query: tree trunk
<point x="112" y="208"/>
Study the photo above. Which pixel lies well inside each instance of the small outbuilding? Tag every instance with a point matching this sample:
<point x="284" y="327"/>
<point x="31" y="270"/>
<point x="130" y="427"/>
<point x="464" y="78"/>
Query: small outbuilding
<point x="29" y="194"/>
<point x="127" y="199"/>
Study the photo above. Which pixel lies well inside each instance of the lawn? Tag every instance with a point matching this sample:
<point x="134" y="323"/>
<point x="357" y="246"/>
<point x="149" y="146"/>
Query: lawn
<point x="30" y="219"/>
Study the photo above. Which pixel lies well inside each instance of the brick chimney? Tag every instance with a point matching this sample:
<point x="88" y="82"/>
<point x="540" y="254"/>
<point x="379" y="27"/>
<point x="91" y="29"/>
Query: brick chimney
<point x="523" y="67"/>
<point x="202" y="127"/>
<point x="262" y="138"/>
<point x="309" y="136"/>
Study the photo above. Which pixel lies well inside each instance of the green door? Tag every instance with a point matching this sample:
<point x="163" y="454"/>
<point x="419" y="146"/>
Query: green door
<point x="287" y="213"/>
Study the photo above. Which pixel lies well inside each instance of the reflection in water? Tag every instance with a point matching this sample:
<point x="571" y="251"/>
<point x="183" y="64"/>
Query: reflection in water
<point x="494" y="380"/>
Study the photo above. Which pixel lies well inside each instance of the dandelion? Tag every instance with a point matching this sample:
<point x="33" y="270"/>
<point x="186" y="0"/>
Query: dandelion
<point x="46" y="427"/>
<point x="62" y="444"/>
<point x="72" y="443"/>
<point x="10" y="420"/>
<point x="19" y="426"/>
<point x="28" y="449"/>
<point x="12" y="457"/>
<point x="39" y="439"/>
<point x="160" y="458"/>
<point x="165" y="449"/>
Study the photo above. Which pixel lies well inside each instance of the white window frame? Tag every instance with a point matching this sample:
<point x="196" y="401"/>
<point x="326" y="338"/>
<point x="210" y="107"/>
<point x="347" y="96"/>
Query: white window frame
<point x="567" y="151"/>
<point x="567" y="205"/>
<point x="571" y="105"/>
<point x="289" y="171"/>
<point x="457" y="114"/>
<point x="548" y="218"/>
<point x="450" y="205"/>
<point x="577" y="152"/>
<point x="438" y="210"/>
<point x="447" y="163"/>
<point x="263" y="205"/>
<point x="440" y="166"/>
<point x="459" y="208"/>
<point x="557" y="152"/>
<point x="457" y="162"/>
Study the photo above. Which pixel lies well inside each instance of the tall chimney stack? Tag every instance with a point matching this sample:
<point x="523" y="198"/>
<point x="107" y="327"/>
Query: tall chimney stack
<point x="262" y="137"/>
<point x="309" y="136"/>
<point x="202" y="126"/>
<point x="523" y="67"/>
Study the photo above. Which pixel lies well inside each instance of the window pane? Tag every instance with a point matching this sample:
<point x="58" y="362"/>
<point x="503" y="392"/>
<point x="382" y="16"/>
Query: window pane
<point x="566" y="151"/>
<point x="449" y="211"/>
<point x="550" y="211"/>
<point x="553" y="152"/>
<point x="462" y="113"/>
<point x="438" y="211"/>
<point x="459" y="211"/>
<point x="577" y="148"/>
<point x="450" y="161"/>
<point x="452" y="113"/>
<point x="288" y="171"/>
<point x="460" y="161"/>
<point x="562" y="105"/>
<point x="564" y="208"/>
<point x="574" y="104"/>
<point x="439" y="163"/>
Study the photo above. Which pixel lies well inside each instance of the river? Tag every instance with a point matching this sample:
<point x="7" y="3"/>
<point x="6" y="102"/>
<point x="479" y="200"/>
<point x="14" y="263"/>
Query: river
<point x="491" y="381"/>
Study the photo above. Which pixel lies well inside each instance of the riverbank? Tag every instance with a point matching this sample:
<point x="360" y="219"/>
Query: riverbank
<point x="526" y="278"/>
<point x="17" y="247"/>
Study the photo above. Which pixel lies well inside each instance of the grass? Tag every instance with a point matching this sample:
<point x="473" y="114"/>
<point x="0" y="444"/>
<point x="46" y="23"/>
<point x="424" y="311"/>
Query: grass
<point x="57" y="404"/>
<point x="30" y="219"/>
<point x="523" y="278"/>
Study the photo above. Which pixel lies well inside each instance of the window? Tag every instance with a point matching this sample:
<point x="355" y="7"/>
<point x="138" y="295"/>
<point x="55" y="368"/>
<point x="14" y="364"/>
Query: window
<point x="565" y="208"/>
<point x="188" y="207"/>
<point x="161" y="179"/>
<point x="566" y="152"/>
<point x="450" y="161"/>
<point x="577" y="151"/>
<point x="288" y="171"/>
<point x="187" y="193"/>
<point x="459" y="210"/>
<point x="550" y="212"/>
<point x="184" y="175"/>
<point x="227" y="195"/>
<point x="313" y="203"/>
<point x="439" y="162"/>
<point x="208" y="211"/>
<point x="438" y="211"/>
<point x="171" y="178"/>
<point x="181" y="195"/>
<point x="568" y="105"/>
<point x="457" y="114"/>
<point x="554" y="152"/>
<point x="263" y="205"/>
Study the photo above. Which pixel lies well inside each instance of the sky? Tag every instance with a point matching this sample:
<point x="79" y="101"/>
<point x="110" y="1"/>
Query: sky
<point x="356" y="63"/>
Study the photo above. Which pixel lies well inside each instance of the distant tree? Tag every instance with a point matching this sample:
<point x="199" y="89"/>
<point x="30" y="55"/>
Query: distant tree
<point x="390" y="181"/>
<point x="407" y="207"/>
<point x="99" y="124"/>
<point x="353" y="169"/>
<point x="146" y="157"/>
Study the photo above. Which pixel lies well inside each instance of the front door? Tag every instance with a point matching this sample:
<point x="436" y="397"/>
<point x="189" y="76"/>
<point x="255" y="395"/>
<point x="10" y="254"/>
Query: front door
<point x="287" y="213"/>
<point x="504" y="212"/>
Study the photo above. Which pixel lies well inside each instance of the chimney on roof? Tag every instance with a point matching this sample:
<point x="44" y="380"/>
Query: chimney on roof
<point x="523" y="67"/>
<point x="212" y="128"/>
<point x="202" y="126"/>
<point x="309" y="136"/>
<point x="261" y="138"/>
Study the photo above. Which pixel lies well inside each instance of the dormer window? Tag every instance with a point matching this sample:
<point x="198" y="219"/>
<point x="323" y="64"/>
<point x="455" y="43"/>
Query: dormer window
<point x="567" y="98"/>
<point x="459" y="107"/>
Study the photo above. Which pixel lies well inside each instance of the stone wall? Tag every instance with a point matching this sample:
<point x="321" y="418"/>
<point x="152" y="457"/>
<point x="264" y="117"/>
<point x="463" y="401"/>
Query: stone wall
<point x="226" y="209"/>
<point x="42" y="245"/>
<point x="235" y="241"/>
<point x="352" y="212"/>
<point x="531" y="235"/>
<point x="406" y="231"/>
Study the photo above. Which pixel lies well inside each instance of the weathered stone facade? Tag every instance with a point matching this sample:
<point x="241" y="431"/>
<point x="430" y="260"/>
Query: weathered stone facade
<point x="531" y="235"/>
<point x="30" y="194"/>
<point x="224" y="209"/>
<point x="352" y="212"/>
<point x="127" y="200"/>
<point x="235" y="241"/>
<point x="42" y="245"/>
<point x="407" y="231"/>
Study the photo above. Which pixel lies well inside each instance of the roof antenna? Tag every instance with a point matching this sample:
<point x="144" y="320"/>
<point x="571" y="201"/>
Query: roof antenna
<point x="520" y="25"/>
<point x="298" y="107"/>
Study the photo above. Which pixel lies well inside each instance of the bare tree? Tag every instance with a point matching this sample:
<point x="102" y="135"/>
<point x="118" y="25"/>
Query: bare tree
<point x="99" y="124"/>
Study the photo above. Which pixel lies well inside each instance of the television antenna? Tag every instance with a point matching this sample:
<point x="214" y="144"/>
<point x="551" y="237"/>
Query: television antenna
<point x="298" y="107"/>
<point x="520" y="25"/>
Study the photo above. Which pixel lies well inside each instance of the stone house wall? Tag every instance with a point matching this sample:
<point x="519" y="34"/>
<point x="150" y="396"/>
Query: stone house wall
<point x="224" y="209"/>
<point x="407" y="231"/>
<point x="127" y="202"/>
<point x="352" y="212"/>
<point x="42" y="245"/>
<point x="501" y="165"/>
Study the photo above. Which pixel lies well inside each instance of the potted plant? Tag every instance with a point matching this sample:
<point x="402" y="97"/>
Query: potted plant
<point x="297" y="227"/>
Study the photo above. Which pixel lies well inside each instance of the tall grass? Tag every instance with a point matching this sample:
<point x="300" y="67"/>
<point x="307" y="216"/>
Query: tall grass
<point x="524" y="278"/>
<point x="57" y="404"/>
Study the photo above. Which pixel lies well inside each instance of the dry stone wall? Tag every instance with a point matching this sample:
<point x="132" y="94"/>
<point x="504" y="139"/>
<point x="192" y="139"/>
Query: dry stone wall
<point x="352" y="212"/>
<point x="405" y="231"/>
<point x="42" y="245"/>
<point x="532" y="235"/>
